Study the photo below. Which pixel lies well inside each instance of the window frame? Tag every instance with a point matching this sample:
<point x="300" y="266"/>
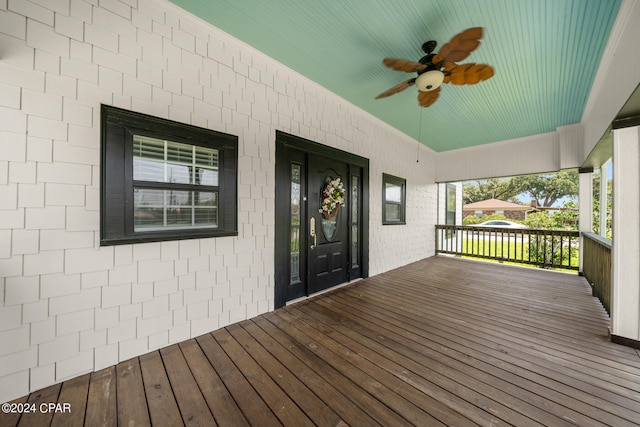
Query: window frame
<point x="402" y="183"/>
<point x="118" y="127"/>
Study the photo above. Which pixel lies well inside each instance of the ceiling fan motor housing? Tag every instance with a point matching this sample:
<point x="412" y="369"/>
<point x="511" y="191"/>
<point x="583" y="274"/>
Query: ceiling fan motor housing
<point x="429" y="80"/>
<point x="429" y="46"/>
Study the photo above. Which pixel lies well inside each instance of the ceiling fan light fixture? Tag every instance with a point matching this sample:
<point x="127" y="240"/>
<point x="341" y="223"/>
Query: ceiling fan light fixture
<point x="430" y="80"/>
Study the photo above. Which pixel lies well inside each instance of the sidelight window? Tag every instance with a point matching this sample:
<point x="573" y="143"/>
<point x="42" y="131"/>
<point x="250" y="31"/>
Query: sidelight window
<point x="296" y="216"/>
<point x="355" y="220"/>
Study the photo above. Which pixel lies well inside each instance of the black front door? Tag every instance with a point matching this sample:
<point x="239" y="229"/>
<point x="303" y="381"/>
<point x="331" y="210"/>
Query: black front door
<point x="328" y="231"/>
<point x="316" y="249"/>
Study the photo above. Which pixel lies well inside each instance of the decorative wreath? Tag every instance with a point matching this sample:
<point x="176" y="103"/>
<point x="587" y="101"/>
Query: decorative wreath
<point x="332" y="198"/>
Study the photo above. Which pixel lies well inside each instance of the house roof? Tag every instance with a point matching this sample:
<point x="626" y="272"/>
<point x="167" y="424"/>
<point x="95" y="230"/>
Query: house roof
<point x="495" y="204"/>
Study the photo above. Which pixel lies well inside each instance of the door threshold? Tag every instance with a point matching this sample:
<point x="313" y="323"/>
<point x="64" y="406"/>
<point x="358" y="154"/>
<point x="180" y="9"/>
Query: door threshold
<point x="293" y="301"/>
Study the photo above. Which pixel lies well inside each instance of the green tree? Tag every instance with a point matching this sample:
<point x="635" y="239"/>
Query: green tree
<point x="565" y="218"/>
<point x="547" y="189"/>
<point x="596" y="206"/>
<point x="538" y="220"/>
<point x="547" y="248"/>
<point x="494" y="188"/>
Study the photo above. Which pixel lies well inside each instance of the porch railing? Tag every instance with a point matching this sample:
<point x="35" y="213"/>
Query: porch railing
<point x="597" y="266"/>
<point x="542" y="248"/>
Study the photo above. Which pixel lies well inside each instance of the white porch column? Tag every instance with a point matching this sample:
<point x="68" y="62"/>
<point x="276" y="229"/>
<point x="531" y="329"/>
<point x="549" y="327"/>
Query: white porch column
<point x="625" y="257"/>
<point x="585" y="206"/>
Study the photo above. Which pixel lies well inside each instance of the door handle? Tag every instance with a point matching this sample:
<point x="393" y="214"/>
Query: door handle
<point x="312" y="231"/>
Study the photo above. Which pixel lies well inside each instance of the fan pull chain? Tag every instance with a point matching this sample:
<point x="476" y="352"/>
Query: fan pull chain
<point x="419" y="136"/>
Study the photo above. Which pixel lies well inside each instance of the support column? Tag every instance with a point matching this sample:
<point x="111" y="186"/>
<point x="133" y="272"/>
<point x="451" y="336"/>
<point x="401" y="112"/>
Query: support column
<point x="585" y="206"/>
<point x="625" y="256"/>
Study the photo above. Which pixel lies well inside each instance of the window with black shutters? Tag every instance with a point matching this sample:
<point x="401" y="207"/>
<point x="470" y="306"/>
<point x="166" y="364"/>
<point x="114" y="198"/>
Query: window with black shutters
<point x="393" y="200"/>
<point x="164" y="180"/>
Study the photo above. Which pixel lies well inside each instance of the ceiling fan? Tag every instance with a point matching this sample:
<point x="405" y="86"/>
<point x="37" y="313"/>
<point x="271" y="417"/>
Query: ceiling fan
<point x="435" y="69"/>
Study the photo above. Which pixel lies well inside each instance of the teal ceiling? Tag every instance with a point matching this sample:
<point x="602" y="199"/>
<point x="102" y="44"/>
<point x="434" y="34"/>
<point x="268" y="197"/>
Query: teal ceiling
<point x="545" y="54"/>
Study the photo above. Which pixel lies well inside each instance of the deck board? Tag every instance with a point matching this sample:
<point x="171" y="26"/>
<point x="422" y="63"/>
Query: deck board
<point x="161" y="401"/>
<point x="131" y="398"/>
<point x="255" y="410"/>
<point x="426" y="370"/>
<point x="493" y="367"/>
<point x="220" y="402"/>
<point x="310" y="404"/>
<point x="278" y="401"/>
<point x="370" y="377"/>
<point x="37" y="417"/>
<point x="510" y="336"/>
<point x="366" y="387"/>
<point x="317" y="383"/>
<point x="101" y="407"/>
<point x="74" y="392"/>
<point x="442" y="341"/>
<point x="191" y="402"/>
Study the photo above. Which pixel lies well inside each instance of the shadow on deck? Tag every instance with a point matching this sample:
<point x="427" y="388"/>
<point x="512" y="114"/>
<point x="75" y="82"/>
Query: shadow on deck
<point x="442" y="341"/>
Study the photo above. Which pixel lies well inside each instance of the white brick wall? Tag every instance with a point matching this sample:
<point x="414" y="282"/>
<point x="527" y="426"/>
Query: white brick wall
<point x="68" y="306"/>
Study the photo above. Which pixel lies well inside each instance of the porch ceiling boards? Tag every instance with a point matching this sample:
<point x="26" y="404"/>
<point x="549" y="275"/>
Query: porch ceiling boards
<point x="439" y="342"/>
<point x="545" y="55"/>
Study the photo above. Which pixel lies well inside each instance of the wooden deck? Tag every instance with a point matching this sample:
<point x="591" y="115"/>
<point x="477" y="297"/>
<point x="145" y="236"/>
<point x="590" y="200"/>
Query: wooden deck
<point x="439" y="342"/>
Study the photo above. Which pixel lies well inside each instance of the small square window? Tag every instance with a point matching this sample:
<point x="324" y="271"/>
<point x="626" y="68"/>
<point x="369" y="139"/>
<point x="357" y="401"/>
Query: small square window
<point x="393" y="200"/>
<point x="163" y="180"/>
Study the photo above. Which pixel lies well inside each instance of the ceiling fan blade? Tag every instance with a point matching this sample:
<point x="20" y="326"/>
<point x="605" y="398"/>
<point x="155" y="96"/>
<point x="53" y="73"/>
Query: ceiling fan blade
<point x="487" y="72"/>
<point x="457" y="55"/>
<point x="477" y="73"/>
<point x="471" y="73"/>
<point x="426" y="99"/>
<point x="458" y="74"/>
<point x="460" y="46"/>
<point x="462" y="68"/>
<point x="471" y="78"/>
<point x="469" y="45"/>
<point x="463" y="50"/>
<point x="449" y="66"/>
<point x="471" y="33"/>
<point x="457" y="79"/>
<point x="403" y="65"/>
<point x="397" y="88"/>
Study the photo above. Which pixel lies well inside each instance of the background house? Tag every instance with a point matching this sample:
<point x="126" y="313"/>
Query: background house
<point x="494" y="206"/>
<point x="71" y="305"/>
